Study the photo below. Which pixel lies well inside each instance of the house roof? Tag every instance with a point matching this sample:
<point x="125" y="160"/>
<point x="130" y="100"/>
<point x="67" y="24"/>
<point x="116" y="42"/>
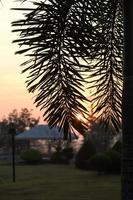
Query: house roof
<point x="42" y="132"/>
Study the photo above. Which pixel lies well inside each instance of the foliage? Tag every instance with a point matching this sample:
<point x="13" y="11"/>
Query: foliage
<point x="101" y="138"/>
<point x="99" y="162"/>
<point x="68" y="153"/>
<point x="115" y="158"/>
<point x="117" y="146"/>
<point x="4" y="136"/>
<point x="62" y="156"/>
<point x="31" y="156"/>
<point x="106" y="162"/>
<point x="86" y="151"/>
<point x="22" y="119"/>
<point x="58" y="158"/>
<point x="71" y="43"/>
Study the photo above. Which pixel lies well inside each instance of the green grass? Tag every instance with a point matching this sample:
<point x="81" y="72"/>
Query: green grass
<point x="57" y="182"/>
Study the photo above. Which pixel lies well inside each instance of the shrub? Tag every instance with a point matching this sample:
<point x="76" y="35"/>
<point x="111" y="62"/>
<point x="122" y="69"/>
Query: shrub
<point x="31" y="156"/>
<point x="68" y="153"/>
<point x="100" y="162"/>
<point x="117" y="146"/>
<point x="58" y="158"/>
<point x="86" y="151"/>
<point x="106" y="162"/>
<point x="63" y="156"/>
<point x="115" y="157"/>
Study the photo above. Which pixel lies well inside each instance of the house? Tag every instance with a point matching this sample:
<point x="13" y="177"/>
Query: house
<point x="43" y="138"/>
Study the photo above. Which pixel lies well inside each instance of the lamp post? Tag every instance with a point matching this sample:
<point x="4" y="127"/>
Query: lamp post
<point x="12" y="132"/>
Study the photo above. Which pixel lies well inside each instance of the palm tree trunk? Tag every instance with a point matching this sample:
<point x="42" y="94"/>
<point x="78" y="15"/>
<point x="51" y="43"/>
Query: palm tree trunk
<point x="127" y="104"/>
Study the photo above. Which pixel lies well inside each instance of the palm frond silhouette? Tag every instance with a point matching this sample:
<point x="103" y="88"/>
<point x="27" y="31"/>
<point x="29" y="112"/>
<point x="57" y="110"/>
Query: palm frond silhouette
<point x="70" y="44"/>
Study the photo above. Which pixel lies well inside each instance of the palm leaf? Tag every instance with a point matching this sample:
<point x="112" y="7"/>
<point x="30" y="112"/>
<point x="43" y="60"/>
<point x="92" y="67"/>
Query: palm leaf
<point x="66" y="40"/>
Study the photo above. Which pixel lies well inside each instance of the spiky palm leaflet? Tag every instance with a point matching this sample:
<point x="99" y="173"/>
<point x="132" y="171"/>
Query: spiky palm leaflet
<point x="59" y="37"/>
<point x="54" y="72"/>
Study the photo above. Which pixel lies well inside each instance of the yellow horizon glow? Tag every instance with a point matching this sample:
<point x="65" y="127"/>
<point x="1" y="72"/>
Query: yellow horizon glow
<point x="13" y="92"/>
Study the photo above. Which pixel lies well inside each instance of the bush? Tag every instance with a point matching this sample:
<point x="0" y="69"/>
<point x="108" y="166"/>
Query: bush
<point x="68" y="153"/>
<point x="117" y="146"/>
<point x="31" y="156"/>
<point x="115" y="157"/>
<point x="58" y="158"/>
<point x="106" y="162"/>
<point x="100" y="162"/>
<point x="86" y="151"/>
<point x="63" y="156"/>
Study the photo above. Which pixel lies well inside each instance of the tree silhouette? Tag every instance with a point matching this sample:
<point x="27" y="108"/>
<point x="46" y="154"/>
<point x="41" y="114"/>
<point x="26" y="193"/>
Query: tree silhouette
<point x="21" y="120"/>
<point x="64" y="40"/>
<point x="73" y="43"/>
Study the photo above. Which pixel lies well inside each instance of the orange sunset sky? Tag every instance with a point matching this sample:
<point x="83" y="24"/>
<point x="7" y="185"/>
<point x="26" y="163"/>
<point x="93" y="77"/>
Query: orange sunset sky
<point x="13" y="92"/>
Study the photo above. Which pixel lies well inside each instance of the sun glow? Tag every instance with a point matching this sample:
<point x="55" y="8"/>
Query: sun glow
<point x="80" y="117"/>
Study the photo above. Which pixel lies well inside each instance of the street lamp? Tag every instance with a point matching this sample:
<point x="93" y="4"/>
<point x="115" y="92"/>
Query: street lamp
<point x="12" y="132"/>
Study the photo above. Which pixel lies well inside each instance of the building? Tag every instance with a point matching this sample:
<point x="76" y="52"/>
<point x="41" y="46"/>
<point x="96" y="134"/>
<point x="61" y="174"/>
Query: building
<point x="43" y="138"/>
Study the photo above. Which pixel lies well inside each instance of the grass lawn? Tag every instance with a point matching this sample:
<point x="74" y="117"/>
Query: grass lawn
<point x="57" y="182"/>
